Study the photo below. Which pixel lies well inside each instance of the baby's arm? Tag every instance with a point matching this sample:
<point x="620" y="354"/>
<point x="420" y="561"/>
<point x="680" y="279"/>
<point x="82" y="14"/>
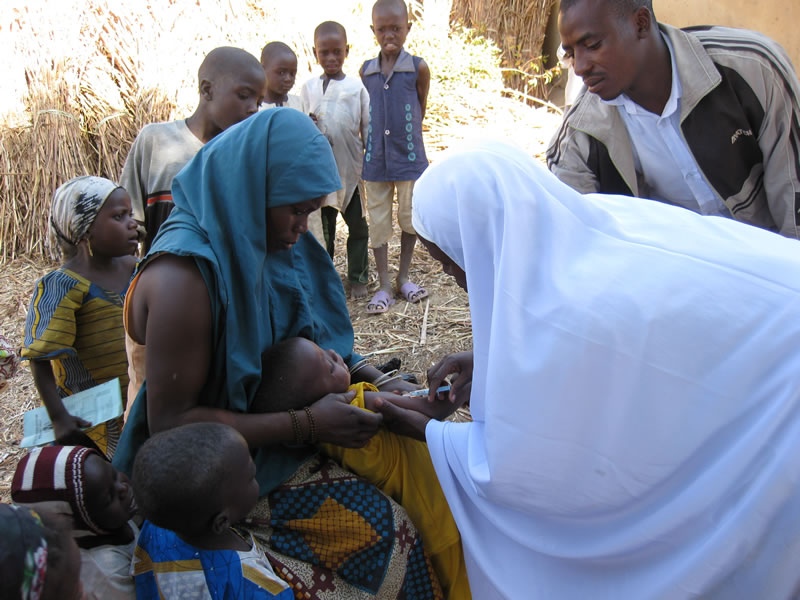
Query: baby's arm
<point x="439" y="409"/>
<point x="423" y="85"/>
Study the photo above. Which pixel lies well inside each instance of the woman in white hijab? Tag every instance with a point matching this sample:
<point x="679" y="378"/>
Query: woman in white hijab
<point x="635" y="390"/>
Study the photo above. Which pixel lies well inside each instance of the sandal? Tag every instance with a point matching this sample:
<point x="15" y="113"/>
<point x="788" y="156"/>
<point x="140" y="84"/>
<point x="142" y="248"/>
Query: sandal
<point x="412" y="292"/>
<point x="380" y="303"/>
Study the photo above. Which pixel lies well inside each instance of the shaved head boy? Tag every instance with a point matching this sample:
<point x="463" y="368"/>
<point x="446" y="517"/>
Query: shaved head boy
<point x="279" y="63"/>
<point x="231" y="85"/>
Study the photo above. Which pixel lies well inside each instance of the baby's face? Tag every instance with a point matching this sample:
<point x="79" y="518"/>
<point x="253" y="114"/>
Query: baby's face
<point x="324" y="370"/>
<point x="109" y="497"/>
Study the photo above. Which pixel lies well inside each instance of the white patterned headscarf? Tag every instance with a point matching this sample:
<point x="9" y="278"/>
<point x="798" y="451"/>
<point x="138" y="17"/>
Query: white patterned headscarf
<point x="75" y="207"/>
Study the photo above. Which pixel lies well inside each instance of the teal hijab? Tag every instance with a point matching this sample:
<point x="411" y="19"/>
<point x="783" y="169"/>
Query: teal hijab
<point x="274" y="158"/>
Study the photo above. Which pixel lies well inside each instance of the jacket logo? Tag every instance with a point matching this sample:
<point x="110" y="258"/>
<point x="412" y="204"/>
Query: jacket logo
<point x="739" y="133"/>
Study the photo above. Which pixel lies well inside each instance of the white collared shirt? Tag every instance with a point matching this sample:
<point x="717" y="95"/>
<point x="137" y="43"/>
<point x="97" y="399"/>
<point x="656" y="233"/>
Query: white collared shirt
<point x="660" y="153"/>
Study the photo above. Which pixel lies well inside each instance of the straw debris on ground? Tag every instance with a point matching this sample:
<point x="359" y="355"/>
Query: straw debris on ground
<point x="76" y="108"/>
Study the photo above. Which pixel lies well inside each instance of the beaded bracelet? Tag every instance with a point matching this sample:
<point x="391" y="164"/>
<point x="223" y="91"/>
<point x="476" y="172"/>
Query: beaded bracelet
<point x="312" y="427"/>
<point x="298" y="434"/>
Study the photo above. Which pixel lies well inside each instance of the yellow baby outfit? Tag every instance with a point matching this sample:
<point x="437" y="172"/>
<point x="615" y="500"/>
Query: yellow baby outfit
<point x="401" y="467"/>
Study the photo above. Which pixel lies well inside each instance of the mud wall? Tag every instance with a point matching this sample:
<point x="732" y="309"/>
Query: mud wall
<point x="776" y="18"/>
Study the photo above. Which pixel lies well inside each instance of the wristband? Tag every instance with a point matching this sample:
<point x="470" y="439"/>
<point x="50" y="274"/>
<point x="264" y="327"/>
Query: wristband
<point x="298" y="435"/>
<point x="358" y="366"/>
<point x="312" y="427"/>
<point x="386" y="378"/>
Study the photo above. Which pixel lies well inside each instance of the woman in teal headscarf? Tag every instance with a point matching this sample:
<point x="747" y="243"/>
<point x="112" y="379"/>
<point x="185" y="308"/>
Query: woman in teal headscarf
<point x="232" y="272"/>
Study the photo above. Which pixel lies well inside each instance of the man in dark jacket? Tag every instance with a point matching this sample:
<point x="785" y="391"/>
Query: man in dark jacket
<point x="706" y="118"/>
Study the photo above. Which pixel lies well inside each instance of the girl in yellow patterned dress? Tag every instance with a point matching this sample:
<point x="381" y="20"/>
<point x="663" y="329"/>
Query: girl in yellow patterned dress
<point x="74" y="335"/>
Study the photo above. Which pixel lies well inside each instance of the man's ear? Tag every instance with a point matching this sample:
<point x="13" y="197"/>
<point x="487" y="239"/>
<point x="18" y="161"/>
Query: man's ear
<point x="409" y="26"/>
<point x="372" y="27"/>
<point x="220" y="523"/>
<point x="346" y="50"/>
<point x="206" y="88"/>
<point x="643" y="21"/>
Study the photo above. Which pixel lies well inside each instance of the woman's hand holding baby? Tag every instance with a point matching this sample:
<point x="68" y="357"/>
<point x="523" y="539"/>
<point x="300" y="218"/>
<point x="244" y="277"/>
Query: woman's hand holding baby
<point x="337" y="422"/>
<point x="439" y="409"/>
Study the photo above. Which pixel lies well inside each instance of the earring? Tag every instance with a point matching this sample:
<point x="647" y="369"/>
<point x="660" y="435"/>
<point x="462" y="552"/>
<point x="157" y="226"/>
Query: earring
<point x="89" y="246"/>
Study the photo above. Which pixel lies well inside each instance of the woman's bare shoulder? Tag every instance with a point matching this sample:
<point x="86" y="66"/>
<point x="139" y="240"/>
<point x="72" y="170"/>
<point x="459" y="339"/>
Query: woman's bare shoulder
<point x="170" y="291"/>
<point x="171" y="275"/>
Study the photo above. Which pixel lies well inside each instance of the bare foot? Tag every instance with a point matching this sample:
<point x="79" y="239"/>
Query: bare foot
<point x="358" y="290"/>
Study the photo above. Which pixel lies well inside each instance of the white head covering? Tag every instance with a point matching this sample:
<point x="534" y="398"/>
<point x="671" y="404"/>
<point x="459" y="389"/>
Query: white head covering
<point x="636" y="390"/>
<point x="75" y="207"/>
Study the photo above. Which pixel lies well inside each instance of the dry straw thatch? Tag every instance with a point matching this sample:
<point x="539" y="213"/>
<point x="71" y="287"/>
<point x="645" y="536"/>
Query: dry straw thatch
<point x="518" y="27"/>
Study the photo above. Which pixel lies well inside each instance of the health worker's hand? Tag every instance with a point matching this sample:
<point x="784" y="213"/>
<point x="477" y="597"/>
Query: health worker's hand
<point x="399" y="386"/>
<point x="459" y="363"/>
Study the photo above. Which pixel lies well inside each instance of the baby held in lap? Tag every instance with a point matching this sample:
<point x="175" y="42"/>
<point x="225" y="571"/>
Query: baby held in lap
<point x="295" y="374"/>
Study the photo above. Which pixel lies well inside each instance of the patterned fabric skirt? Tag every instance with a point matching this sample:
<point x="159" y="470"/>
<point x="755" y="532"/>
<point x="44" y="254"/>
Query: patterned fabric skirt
<point x="331" y="535"/>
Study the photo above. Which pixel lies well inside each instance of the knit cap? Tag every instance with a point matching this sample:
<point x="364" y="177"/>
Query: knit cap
<point x="56" y="474"/>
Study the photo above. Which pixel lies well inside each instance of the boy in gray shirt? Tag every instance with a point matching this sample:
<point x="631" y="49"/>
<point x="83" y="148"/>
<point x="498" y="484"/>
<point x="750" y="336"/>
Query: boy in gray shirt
<point x="231" y="86"/>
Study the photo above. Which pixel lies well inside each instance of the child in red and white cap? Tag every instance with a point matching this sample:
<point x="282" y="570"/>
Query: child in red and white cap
<point x="81" y="484"/>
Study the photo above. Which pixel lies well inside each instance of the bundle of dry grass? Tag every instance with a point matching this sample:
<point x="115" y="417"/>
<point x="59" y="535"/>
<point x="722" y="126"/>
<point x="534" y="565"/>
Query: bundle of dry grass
<point x="518" y="27"/>
<point x="37" y="159"/>
<point x="74" y="116"/>
<point x="79" y="115"/>
<point x="55" y="147"/>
